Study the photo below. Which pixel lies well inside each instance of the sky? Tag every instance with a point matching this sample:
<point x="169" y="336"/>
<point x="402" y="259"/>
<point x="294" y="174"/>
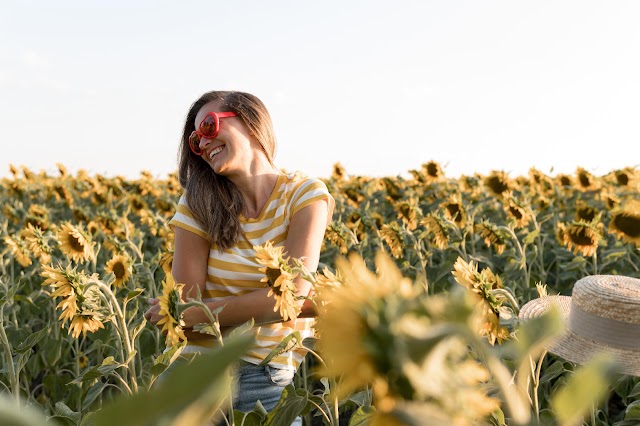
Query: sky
<point x="378" y="86"/>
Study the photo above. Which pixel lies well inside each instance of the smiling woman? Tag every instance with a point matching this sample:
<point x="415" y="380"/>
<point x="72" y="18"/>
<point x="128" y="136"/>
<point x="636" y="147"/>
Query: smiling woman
<point x="236" y="199"/>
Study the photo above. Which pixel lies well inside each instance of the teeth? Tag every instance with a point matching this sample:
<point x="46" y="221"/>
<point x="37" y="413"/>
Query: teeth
<point x="215" y="151"/>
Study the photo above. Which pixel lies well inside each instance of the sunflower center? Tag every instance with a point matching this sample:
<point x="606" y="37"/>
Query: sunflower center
<point x="581" y="237"/>
<point x="584" y="180"/>
<point x="622" y="178"/>
<point x="515" y="212"/>
<point x="272" y="275"/>
<point x="76" y="244"/>
<point x="119" y="270"/>
<point x="630" y="225"/>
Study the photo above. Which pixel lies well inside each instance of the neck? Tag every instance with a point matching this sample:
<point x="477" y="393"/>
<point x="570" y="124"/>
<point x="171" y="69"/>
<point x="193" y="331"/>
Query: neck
<point x="256" y="187"/>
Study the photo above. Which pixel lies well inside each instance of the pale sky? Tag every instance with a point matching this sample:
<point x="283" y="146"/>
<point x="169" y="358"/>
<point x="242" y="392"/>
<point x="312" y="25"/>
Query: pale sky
<point x="379" y="86"/>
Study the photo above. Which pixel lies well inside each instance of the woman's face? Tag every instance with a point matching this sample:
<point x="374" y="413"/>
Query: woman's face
<point x="232" y="150"/>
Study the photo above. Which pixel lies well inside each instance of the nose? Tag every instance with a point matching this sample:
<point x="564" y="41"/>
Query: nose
<point x="204" y="142"/>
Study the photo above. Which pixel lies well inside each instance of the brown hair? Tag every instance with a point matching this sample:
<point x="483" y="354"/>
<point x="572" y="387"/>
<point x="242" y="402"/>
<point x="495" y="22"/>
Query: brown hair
<point x="214" y="200"/>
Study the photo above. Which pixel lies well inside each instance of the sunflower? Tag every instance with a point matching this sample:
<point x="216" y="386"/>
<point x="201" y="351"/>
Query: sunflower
<point x="339" y="173"/>
<point x="19" y="250"/>
<point x="355" y="224"/>
<point x="339" y="235"/>
<point x="585" y="212"/>
<point x="269" y="256"/>
<point x="438" y="228"/>
<point x="516" y="213"/>
<point x="564" y="180"/>
<point x="166" y="261"/>
<point x="121" y="266"/>
<point x="37" y="243"/>
<point x="172" y="322"/>
<point x="75" y="243"/>
<point x="14" y="171"/>
<point x="580" y="237"/>
<point x="433" y="170"/>
<point x="408" y="211"/>
<point x="283" y="290"/>
<point x="327" y="281"/>
<point x="80" y="301"/>
<point x="86" y="321"/>
<point x="610" y="200"/>
<point x="454" y="210"/>
<point x="625" y="222"/>
<point x="392" y="235"/>
<point x="62" y="169"/>
<point x="164" y="206"/>
<point x="493" y="236"/>
<point x="482" y="284"/>
<point x="393" y="189"/>
<point x="586" y="181"/>
<point x="347" y="321"/>
<point x="280" y="279"/>
<point x="497" y="182"/>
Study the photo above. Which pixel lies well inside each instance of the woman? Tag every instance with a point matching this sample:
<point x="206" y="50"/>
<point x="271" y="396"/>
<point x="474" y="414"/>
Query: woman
<point x="236" y="198"/>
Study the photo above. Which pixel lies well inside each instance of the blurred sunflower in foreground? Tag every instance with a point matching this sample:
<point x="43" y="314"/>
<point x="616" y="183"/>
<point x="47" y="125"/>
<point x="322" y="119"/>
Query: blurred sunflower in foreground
<point x="380" y="329"/>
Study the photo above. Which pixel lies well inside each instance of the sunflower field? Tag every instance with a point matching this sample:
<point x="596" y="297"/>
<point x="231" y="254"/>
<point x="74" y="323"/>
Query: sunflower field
<point x="417" y="299"/>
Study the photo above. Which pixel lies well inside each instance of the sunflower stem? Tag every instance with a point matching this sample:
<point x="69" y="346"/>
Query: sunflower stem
<point x="536" y="384"/>
<point x="6" y="346"/>
<point x="124" y="334"/>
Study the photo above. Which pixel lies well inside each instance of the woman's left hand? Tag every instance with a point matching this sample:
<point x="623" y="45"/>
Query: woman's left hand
<point x="153" y="313"/>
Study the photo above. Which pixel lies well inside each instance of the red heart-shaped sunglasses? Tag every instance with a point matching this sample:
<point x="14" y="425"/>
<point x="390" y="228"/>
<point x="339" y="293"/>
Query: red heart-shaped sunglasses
<point x="209" y="128"/>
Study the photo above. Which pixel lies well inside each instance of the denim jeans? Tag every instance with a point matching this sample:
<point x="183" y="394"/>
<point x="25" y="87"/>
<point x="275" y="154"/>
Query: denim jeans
<point x="253" y="383"/>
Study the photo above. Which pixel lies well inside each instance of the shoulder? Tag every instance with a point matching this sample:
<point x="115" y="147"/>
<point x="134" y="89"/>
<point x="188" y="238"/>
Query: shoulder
<point x="302" y="190"/>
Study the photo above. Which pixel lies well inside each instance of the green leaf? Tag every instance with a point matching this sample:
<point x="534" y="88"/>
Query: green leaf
<point x="21" y="360"/>
<point x="133" y="294"/>
<point x="283" y="346"/>
<point x="138" y="329"/>
<point x="108" y="365"/>
<point x="32" y="340"/>
<point x="556" y="369"/>
<point x="254" y="417"/>
<point x="94" y="392"/>
<point x="633" y="411"/>
<point x="635" y="391"/>
<point x="196" y="390"/>
<point x="61" y="410"/>
<point x="362" y="416"/>
<point x="584" y="389"/>
<point x="290" y="405"/>
<point x="243" y="328"/>
<point x="531" y="237"/>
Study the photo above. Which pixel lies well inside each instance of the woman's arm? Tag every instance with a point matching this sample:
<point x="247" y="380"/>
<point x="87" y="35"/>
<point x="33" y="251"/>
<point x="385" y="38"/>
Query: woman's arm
<point x="304" y="240"/>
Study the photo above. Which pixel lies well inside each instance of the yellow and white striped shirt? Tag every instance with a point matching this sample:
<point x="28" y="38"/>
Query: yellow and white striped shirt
<point x="235" y="271"/>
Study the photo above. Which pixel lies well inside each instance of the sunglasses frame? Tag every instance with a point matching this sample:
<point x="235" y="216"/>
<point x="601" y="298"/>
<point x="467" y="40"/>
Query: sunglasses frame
<point x="195" y="148"/>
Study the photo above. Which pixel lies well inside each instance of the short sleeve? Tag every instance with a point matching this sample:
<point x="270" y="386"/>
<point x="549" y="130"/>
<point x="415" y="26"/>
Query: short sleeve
<point x="309" y="191"/>
<point x="183" y="218"/>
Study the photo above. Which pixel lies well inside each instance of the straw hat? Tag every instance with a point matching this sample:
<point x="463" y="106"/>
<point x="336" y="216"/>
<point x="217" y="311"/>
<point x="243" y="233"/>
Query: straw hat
<point x="602" y="315"/>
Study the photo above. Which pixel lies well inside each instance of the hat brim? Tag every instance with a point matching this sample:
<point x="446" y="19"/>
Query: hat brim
<point x="573" y="347"/>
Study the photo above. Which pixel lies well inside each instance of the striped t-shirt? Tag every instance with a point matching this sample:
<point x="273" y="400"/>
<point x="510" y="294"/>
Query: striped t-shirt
<point x="235" y="271"/>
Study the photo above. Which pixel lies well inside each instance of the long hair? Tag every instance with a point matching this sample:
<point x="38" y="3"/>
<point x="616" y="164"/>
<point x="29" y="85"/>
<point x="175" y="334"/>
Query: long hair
<point x="214" y="200"/>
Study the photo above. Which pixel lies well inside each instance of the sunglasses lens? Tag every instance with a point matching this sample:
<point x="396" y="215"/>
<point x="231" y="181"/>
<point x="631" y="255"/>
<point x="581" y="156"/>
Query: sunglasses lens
<point x="208" y="127"/>
<point x="194" y="143"/>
